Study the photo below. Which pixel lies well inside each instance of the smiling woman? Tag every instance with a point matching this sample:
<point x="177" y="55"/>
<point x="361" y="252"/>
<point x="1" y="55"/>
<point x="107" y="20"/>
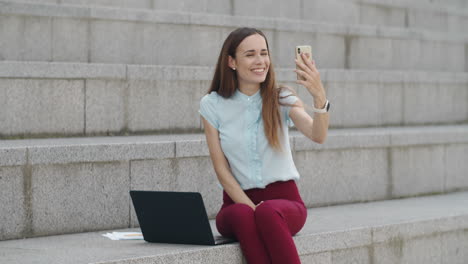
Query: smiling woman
<point x="246" y="117"/>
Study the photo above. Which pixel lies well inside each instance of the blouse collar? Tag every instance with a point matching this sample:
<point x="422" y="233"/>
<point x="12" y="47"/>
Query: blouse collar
<point x="238" y="95"/>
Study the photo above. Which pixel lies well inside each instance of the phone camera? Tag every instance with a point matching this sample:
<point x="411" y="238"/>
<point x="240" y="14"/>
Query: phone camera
<point x="298" y="50"/>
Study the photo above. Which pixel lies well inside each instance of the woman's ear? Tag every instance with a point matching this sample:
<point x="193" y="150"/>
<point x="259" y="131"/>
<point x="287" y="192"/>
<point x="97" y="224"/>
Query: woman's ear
<point x="231" y="62"/>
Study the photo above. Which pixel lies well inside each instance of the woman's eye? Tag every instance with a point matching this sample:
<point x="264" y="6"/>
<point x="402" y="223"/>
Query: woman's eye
<point x="265" y="54"/>
<point x="249" y="55"/>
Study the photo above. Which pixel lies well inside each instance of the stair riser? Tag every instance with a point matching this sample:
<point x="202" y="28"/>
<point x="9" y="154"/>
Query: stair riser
<point x="35" y="33"/>
<point x="409" y="14"/>
<point x="77" y="189"/>
<point x="81" y="105"/>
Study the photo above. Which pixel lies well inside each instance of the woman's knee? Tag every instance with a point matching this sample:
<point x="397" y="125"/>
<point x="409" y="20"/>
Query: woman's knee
<point x="265" y="211"/>
<point x="235" y="216"/>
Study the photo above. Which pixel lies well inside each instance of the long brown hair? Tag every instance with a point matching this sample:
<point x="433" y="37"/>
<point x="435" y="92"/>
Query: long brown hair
<point x="225" y="84"/>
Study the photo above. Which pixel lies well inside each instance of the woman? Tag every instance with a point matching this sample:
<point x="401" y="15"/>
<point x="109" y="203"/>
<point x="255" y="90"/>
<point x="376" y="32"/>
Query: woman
<point x="246" y="117"/>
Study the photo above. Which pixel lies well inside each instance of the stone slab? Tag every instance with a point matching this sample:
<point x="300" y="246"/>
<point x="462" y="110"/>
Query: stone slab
<point x="33" y="106"/>
<point x="106" y="105"/>
<point x="417" y="170"/>
<point x="143" y="101"/>
<point x="97" y="149"/>
<point x="330" y="177"/>
<point x="79" y="197"/>
<point x="61" y="70"/>
<point x="327" y="234"/>
<point x="133" y="32"/>
<point x="456" y="167"/>
<point x="14" y="205"/>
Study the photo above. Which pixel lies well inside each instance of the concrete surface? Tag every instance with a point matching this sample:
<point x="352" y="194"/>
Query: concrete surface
<point x="399" y="231"/>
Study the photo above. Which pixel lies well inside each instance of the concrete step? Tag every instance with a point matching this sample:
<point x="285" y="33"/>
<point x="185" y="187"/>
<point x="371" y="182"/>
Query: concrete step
<point x="45" y="32"/>
<point x="423" y="14"/>
<point x="56" y="186"/>
<point x="79" y="99"/>
<point x="431" y="230"/>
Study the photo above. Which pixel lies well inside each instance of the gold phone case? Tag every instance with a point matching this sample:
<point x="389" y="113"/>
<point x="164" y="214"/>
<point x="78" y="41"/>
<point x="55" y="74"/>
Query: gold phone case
<point x="298" y="51"/>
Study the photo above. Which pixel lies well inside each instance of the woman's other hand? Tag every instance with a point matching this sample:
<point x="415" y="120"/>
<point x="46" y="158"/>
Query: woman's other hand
<point x="258" y="205"/>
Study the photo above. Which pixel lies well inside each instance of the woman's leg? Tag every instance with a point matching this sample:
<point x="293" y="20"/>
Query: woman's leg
<point x="277" y="221"/>
<point x="238" y="220"/>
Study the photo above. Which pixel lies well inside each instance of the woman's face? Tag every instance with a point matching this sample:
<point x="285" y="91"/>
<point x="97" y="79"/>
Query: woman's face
<point x="252" y="60"/>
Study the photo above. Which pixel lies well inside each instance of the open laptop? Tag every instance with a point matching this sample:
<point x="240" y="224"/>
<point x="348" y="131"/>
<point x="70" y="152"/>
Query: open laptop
<point x="174" y="217"/>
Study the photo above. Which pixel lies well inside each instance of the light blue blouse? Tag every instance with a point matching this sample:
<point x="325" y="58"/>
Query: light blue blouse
<point x="238" y="119"/>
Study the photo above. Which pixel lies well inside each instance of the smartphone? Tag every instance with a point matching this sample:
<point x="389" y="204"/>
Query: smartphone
<point x="299" y="50"/>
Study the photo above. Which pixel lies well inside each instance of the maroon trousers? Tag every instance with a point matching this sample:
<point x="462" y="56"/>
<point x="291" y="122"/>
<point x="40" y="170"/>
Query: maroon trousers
<point x="265" y="235"/>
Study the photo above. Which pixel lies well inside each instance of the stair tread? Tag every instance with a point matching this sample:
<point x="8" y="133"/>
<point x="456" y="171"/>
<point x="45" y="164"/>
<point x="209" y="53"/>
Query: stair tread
<point x="327" y="228"/>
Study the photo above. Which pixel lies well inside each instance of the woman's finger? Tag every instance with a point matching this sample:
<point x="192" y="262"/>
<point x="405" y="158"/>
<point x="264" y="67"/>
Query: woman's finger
<point x="301" y="82"/>
<point x="307" y="60"/>
<point x="303" y="67"/>
<point x="303" y="74"/>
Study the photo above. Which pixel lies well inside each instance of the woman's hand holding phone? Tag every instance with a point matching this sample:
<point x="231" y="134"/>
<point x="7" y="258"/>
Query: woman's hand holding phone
<point x="310" y="79"/>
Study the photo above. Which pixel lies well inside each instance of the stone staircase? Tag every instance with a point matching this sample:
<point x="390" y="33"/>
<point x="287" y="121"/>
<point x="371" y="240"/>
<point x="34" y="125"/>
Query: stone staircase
<point x="101" y="97"/>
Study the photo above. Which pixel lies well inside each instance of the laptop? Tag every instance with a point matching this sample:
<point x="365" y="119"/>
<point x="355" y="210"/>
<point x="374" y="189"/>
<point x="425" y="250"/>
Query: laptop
<point x="174" y="217"/>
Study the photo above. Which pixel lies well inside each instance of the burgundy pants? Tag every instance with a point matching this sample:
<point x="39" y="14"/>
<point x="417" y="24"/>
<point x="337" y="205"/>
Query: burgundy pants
<point x="265" y="235"/>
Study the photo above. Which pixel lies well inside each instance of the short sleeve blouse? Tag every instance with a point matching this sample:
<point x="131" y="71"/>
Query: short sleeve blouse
<point x="239" y="122"/>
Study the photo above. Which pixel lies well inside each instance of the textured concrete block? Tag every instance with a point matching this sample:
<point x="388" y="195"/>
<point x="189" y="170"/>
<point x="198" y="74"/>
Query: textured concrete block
<point x="381" y="102"/>
<point x="100" y="150"/>
<point x="388" y="253"/>
<point x="431" y="56"/>
<point x="25" y="38"/>
<point x="342" y="12"/>
<point x="417" y="170"/>
<point x="192" y="148"/>
<point x="454" y="53"/>
<point x="164" y="105"/>
<point x="405" y="54"/>
<point x="329" y="51"/>
<point x="325" y="241"/>
<point x="70" y="40"/>
<point x="319" y="258"/>
<point x="352" y="255"/>
<point x="60" y="70"/>
<point x="207" y="41"/>
<point x="419" y="250"/>
<point x="148" y="43"/>
<point x="391" y="103"/>
<point x="184" y="5"/>
<point x="218" y="6"/>
<point x="181" y="175"/>
<point x="105" y="106"/>
<point x="41" y="106"/>
<point x="370" y="53"/>
<point x="198" y="175"/>
<point x="381" y="15"/>
<point x="79" y="197"/>
<point x="456" y="23"/>
<point x="195" y="6"/>
<point x="172" y="53"/>
<point x="268" y="8"/>
<point x="456" y="167"/>
<point x="11" y="156"/>
<point x="329" y="177"/>
<point x="455" y="247"/>
<point x="13" y="208"/>
<point x="116" y="3"/>
<point x="428" y="19"/>
<point x="421" y="99"/>
<point x="120" y="49"/>
<point x="152" y="175"/>
<point x="287" y="41"/>
<point x="423" y="250"/>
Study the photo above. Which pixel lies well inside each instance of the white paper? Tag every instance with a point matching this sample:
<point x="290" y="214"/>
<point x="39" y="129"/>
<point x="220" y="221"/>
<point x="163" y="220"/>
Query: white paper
<point x="124" y="235"/>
